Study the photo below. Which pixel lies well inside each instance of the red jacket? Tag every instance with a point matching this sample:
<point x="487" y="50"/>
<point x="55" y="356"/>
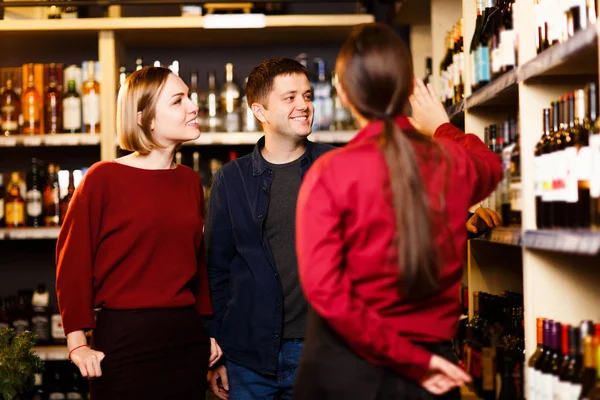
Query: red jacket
<point x="347" y="264"/>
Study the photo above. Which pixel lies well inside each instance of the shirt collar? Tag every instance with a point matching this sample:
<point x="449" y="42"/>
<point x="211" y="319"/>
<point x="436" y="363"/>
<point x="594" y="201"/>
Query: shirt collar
<point x="259" y="164"/>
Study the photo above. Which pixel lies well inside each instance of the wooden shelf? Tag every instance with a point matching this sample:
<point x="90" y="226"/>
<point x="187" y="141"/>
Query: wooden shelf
<point x="52" y="353"/>
<point x="29" y="233"/>
<point x="563" y="241"/>
<point x="250" y="138"/>
<point x="503" y="235"/>
<point x="501" y="91"/>
<point x="456" y="113"/>
<point x="186" y="31"/>
<point x="63" y="139"/>
<point x="577" y="56"/>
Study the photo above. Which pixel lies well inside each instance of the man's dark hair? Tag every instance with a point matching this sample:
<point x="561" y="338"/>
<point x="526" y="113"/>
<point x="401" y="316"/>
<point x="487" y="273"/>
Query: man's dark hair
<point x="260" y="80"/>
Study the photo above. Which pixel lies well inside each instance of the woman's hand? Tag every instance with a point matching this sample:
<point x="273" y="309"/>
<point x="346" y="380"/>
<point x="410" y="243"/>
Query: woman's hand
<point x="427" y="110"/>
<point x="88" y="361"/>
<point x="443" y="376"/>
<point x="215" y="352"/>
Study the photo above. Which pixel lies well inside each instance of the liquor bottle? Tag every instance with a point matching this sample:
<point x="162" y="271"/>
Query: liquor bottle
<point x="570" y="374"/>
<point x="195" y="96"/>
<point x="249" y="122"/>
<point x="34" y="196"/>
<point x="122" y="75"/>
<point x="57" y="331"/>
<point x="31" y="105"/>
<point x="66" y="200"/>
<point x="90" y="98"/>
<point x="21" y="320"/>
<point x="576" y="16"/>
<point x="594" y="142"/>
<point x="532" y="372"/>
<point x="10" y="109"/>
<point x="541" y="378"/>
<point x="588" y="375"/>
<point x="40" y="323"/>
<point x="594" y="394"/>
<point x="15" y="204"/>
<point x="470" y="328"/>
<point x="483" y="56"/>
<point x="212" y="101"/>
<point x="557" y="358"/>
<point x="570" y="217"/>
<point x="459" y="64"/>
<point x="2" y="206"/>
<point x="556" y="21"/>
<point x="493" y="39"/>
<point x="446" y="74"/>
<point x="53" y="103"/>
<point x="508" y="39"/>
<point x="586" y="330"/>
<point x="473" y="54"/>
<point x="322" y="98"/>
<point x="52" y="197"/>
<point x="342" y="118"/>
<point x="72" y="109"/>
<point x="558" y="164"/>
<point x="584" y="101"/>
<point x="230" y="101"/>
<point x="139" y="63"/>
<point x="515" y="174"/>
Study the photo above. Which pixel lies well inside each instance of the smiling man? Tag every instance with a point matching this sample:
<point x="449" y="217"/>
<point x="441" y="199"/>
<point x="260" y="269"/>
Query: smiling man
<point x="260" y="311"/>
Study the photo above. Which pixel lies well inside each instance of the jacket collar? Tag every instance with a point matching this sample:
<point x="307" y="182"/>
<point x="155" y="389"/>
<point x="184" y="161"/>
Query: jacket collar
<point x="374" y="128"/>
<point x="259" y="165"/>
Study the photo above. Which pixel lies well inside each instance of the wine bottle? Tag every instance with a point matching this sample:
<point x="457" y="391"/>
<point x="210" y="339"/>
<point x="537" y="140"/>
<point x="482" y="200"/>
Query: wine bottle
<point x="532" y="372"/>
<point x="570" y="174"/>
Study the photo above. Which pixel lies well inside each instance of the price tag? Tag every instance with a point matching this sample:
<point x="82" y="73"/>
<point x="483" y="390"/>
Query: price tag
<point x="90" y="139"/>
<point x="32" y="140"/>
<point x="8" y="141"/>
<point x="234" y="21"/>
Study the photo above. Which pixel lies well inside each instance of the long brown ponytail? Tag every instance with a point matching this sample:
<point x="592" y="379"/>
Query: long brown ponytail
<point x="375" y="71"/>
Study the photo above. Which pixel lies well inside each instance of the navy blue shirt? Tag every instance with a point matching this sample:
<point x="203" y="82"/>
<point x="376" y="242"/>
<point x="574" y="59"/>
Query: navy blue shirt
<point x="245" y="286"/>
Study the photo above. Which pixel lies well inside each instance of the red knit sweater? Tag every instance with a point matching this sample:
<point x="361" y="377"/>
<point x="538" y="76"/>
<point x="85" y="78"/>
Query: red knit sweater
<point x="132" y="238"/>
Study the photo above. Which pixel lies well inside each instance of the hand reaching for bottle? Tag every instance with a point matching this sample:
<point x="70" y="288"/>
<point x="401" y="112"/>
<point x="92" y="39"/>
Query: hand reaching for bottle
<point x="443" y="376"/>
<point x="427" y="110"/>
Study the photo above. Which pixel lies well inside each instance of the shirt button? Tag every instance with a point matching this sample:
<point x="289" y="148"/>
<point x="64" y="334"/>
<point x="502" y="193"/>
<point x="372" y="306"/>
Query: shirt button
<point x="265" y="188"/>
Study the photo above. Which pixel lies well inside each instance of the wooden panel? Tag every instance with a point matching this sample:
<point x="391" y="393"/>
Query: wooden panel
<point x="107" y="54"/>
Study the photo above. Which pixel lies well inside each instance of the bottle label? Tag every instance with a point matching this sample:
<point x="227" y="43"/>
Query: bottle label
<point x="41" y="327"/>
<point x="475" y="68"/>
<point x="34" y="203"/>
<point x="515" y="195"/>
<point x="1" y="209"/>
<point x="595" y="176"/>
<point x="545" y="386"/>
<point x="570" y="191"/>
<point x="461" y="64"/>
<point x="456" y="68"/>
<point x="507" y="44"/>
<point x="484" y="64"/>
<point x="575" y="390"/>
<point x="56" y="396"/>
<point x="530" y="388"/>
<point x="547" y="193"/>
<point x="555" y="388"/>
<point x="57" y="330"/>
<point x="72" y="113"/>
<point x="20" y="326"/>
<point x="496" y="59"/>
<point x="15" y="213"/>
<point x="584" y="164"/>
<point x="91" y="109"/>
<point x="489" y="367"/>
<point x="74" y="396"/>
<point x="538" y="178"/>
<point x="559" y="175"/>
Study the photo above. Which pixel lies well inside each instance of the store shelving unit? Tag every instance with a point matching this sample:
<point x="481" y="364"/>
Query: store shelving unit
<point x="556" y="270"/>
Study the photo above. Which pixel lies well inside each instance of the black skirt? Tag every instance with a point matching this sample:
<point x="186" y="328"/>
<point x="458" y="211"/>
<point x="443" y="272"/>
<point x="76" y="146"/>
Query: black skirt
<point x="151" y="354"/>
<point x="330" y="370"/>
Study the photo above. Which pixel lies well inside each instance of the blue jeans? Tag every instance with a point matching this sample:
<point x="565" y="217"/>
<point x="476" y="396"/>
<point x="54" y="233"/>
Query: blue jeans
<point x="245" y="384"/>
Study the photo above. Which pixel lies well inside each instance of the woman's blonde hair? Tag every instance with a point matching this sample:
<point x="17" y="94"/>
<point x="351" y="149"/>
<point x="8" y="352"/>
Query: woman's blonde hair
<point x="139" y="93"/>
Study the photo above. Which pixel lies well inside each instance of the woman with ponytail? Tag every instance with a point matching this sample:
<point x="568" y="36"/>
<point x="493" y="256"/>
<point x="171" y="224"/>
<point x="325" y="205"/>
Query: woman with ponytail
<point x="381" y="235"/>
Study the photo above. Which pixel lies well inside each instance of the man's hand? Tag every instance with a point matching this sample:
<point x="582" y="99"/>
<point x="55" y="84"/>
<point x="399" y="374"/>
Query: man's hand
<point x="219" y="383"/>
<point x="428" y="113"/>
<point x="483" y="219"/>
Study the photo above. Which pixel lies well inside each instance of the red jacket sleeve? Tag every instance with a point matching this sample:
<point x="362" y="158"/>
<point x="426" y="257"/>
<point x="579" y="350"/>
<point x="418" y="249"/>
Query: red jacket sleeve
<point x="481" y="167"/>
<point x="75" y="252"/>
<point x="203" y="304"/>
<point x="320" y="249"/>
